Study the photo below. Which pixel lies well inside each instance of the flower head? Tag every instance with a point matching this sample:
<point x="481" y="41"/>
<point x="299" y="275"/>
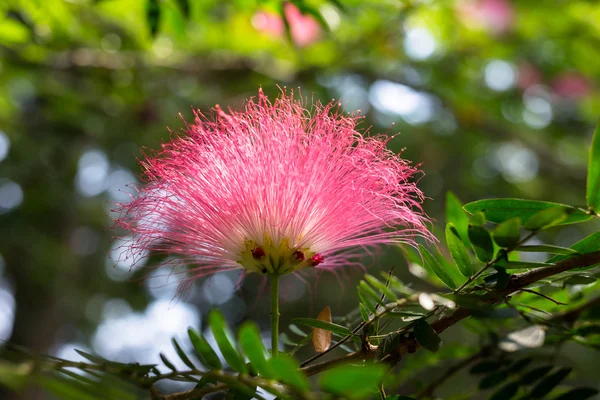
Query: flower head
<point x="273" y="189"/>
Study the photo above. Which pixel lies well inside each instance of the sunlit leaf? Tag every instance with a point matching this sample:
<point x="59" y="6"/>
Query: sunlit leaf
<point x="287" y="371"/>
<point x="499" y="210"/>
<point x="546" y="248"/>
<point x="252" y="345"/>
<point x="353" y="382"/>
<point x="434" y="266"/>
<point x="456" y="216"/>
<point x="204" y="351"/>
<point x="382" y="287"/>
<point x="593" y="173"/>
<point x="547" y="218"/>
<point x="458" y="251"/>
<point x="222" y="336"/>
<point x="507" y="233"/>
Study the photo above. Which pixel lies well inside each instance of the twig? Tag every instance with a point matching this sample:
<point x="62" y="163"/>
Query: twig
<point x="543" y="295"/>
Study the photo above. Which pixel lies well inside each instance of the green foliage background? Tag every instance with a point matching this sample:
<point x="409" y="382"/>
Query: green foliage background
<point x="110" y="76"/>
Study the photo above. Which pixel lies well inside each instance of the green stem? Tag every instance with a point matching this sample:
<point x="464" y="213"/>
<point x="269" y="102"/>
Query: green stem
<point x="274" y="314"/>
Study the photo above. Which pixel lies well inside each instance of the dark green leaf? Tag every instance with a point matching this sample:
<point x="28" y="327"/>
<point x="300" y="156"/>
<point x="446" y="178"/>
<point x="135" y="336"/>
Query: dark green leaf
<point x="506" y="392"/>
<point x="251" y="343"/>
<point x="168" y="363"/>
<point x="593" y="172"/>
<point x="184" y="6"/>
<point x="481" y="242"/>
<point x="328" y="326"/>
<point x="493" y="379"/>
<point x="287" y="371"/>
<point x="547" y="218"/>
<point x="518" y="365"/>
<point x="204" y="351"/>
<point x="580" y="280"/>
<point x="508" y="233"/>
<point x="186" y="360"/>
<point x="485" y="366"/>
<point x="546" y="248"/>
<point x="456" y="216"/>
<point x="546" y="385"/>
<point x="458" y="251"/>
<point x="222" y="336"/>
<point x="533" y="375"/>
<point x="578" y="394"/>
<point x="426" y="336"/>
<point x="499" y="210"/>
<point x="434" y="266"/>
<point x="153" y="16"/>
<point x="351" y="381"/>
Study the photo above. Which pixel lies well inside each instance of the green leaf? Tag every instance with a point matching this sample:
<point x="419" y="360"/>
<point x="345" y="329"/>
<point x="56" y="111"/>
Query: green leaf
<point x="398" y="397"/>
<point x="287" y="371"/>
<point x="546" y="385"/>
<point x="481" y="242"/>
<point x="184" y="6"/>
<point x="222" y="336"/>
<point x="186" y="360"/>
<point x="328" y="326"/>
<point x="477" y="219"/>
<point x="506" y="392"/>
<point x="519" y="365"/>
<point x="588" y="244"/>
<point x="499" y="210"/>
<point x="525" y="264"/>
<point x="547" y="218"/>
<point x="351" y="381"/>
<point x="382" y="287"/>
<point x="434" y="266"/>
<point x="508" y="233"/>
<point x="204" y="351"/>
<point x="364" y="313"/>
<point x="426" y="336"/>
<point x="168" y="363"/>
<point x="153" y="16"/>
<point x="535" y="374"/>
<point x="593" y="173"/>
<point x="578" y="394"/>
<point x="365" y="301"/>
<point x="456" y="216"/>
<point x="369" y="293"/>
<point x="493" y="379"/>
<point x="484" y="367"/>
<point x="580" y="280"/>
<point x="458" y="251"/>
<point x="546" y="248"/>
<point x="252" y="345"/>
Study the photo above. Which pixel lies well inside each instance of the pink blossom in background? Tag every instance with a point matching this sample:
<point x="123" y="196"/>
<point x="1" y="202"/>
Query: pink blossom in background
<point x="571" y="85"/>
<point x="303" y="28"/>
<point x="528" y="75"/>
<point x="272" y="189"/>
<point x="496" y="16"/>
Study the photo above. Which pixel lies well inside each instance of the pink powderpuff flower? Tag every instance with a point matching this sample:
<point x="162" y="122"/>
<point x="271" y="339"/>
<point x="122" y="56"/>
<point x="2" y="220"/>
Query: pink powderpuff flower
<point x="272" y="190"/>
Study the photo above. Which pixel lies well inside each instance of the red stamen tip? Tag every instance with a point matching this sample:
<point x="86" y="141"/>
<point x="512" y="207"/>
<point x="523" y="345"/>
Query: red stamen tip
<point x="317" y="259"/>
<point x="299" y="255"/>
<point x="258" y="253"/>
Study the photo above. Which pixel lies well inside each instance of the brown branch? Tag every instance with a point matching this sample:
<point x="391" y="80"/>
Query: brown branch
<point x="517" y="282"/>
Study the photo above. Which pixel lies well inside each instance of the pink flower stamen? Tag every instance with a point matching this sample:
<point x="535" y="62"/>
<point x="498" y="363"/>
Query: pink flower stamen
<point x="316" y="260"/>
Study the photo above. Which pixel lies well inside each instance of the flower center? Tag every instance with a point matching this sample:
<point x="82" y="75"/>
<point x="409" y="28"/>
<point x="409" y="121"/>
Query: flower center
<point x="276" y="258"/>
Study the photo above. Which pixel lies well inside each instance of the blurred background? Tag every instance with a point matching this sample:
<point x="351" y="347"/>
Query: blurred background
<point x="496" y="98"/>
